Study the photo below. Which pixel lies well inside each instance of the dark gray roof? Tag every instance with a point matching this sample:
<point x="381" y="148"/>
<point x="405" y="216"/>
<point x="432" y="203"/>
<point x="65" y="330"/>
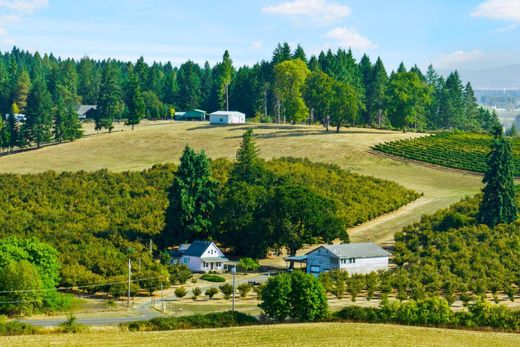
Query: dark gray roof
<point x="197" y="248"/>
<point x="356" y="250"/>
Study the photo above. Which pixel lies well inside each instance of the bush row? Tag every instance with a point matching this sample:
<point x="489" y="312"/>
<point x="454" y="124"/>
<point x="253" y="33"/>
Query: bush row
<point x="434" y="312"/>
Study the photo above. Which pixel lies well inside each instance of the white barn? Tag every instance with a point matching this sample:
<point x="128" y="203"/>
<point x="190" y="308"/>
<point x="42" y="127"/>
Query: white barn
<point x="355" y="258"/>
<point x="227" y="117"/>
<point x="203" y="256"/>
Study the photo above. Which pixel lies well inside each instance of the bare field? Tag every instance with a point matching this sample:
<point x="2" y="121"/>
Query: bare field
<point x="159" y="142"/>
<point x="315" y="334"/>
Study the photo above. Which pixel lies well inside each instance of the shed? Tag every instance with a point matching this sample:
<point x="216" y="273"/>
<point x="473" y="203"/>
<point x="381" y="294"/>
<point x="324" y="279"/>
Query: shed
<point x="355" y="258"/>
<point x="227" y="117"/>
<point x="192" y="115"/>
<point x="86" y="111"/>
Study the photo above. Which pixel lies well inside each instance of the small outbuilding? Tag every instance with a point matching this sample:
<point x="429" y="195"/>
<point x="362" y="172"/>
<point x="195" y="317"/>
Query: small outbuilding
<point x="86" y="111"/>
<point x="227" y="117"/>
<point x="355" y="258"/>
<point x="192" y="115"/>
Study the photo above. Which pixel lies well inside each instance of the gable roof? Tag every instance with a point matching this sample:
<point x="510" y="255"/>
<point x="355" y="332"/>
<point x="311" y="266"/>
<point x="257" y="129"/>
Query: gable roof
<point x="82" y="109"/>
<point x="355" y="250"/>
<point x="197" y="248"/>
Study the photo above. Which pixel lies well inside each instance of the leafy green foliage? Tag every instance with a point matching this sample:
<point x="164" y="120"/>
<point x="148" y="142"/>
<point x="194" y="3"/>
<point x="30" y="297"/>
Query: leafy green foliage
<point x="499" y="203"/>
<point x="179" y="273"/>
<point x="227" y="290"/>
<point x="466" y="151"/>
<point x="248" y="264"/>
<point x="211" y="292"/>
<point x="20" y="288"/>
<point x="244" y="289"/>
<point x="191" y="198"/>
<point x="212" y="278"/>
<point x="181" y="292"/>
<point x="297" y="295"/>
<point x="211" y="320"/>
<point x="196" y="292"/>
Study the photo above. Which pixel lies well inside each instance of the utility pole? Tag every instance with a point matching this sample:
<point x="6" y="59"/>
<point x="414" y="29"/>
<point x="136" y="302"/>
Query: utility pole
<point x="265" y="101"/>
<point x="129" y="280"/>
<point x="234" y="271"/>
<point x="227" y="97"/>
<point x="162" y="298"/>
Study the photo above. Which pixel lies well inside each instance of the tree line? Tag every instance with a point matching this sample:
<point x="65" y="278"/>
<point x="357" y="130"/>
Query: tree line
<point x="332" y="88"/>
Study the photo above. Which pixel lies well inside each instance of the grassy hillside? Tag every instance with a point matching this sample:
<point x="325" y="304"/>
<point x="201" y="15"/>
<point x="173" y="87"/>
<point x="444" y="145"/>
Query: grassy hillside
<point x="319" y="334"/>
<point x="159" y="142"/>
<point x="456" y="150"/>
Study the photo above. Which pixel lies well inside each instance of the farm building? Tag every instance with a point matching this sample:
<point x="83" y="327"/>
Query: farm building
<point x="227" y="117"/>
<point x="193" y="115"/>
<point x="355" y="258"/>
<point x="200" y="256"/>
<point x="86" y="111"/>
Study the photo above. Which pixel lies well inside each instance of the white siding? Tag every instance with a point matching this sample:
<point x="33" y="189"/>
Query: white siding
<point x="212" y="252"/>
<point x="365" y="265"/>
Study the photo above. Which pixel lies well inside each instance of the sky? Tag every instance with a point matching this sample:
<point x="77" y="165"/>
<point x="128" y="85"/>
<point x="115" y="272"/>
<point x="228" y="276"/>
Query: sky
<point x="451" y="34"/>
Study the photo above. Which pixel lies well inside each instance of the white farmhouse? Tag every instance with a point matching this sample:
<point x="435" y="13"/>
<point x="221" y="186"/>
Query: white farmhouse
<point x="355" y="258"/>
<point x="227" y="117"/>
<point x="203" y="256"/>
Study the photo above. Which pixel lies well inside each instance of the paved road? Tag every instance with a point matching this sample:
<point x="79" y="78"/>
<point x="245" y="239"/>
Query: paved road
<point x="140" y="312"/>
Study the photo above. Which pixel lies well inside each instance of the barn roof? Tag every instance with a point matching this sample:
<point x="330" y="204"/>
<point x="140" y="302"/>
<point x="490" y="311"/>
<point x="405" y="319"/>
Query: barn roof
<point x="355" y="250"/>
<point x="82" y="109"/>
<point x="227" y="113"/>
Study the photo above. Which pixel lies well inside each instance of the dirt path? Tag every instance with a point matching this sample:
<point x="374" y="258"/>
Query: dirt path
<point x="381" y="229"/>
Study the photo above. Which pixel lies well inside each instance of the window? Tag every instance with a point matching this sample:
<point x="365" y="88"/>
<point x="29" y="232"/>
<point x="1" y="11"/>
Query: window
<point x="186" y="260"/>
<point x="351" y="260"/>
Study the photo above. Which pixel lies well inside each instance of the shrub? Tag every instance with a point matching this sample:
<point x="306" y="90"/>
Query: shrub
<point x="179" y="273"/>
<point x="275" y="297"/>
<point x="212" y="278"/>
<point x="180" y="292"/>
<point x="244" y="289"/>
<point x="17" y="328"/>
<point x="211" y="292"/>
<point x="248" y="264"/>
<point x="211" y="320"/>
<point x="196" y="292"/>
<point x="71" y="325"/>
<point x="227" y="290"/>
<point x="307" y="297"/>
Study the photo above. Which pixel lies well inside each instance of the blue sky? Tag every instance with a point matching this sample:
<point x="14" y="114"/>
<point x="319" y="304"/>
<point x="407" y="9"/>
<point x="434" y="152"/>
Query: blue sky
<point x="469" y="34"/>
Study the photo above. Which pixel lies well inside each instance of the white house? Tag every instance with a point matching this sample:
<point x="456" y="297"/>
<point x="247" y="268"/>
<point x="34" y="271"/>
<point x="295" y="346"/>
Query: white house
<point x="202" y="256"/>
<point x="355" y="258"/>
<point x="227" y="117"/>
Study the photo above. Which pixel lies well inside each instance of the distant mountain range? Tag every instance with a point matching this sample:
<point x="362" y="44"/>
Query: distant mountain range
<point x="507" y="77"/>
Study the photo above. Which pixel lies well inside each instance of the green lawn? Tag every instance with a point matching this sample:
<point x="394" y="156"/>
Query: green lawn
<point x="315" y="334"/>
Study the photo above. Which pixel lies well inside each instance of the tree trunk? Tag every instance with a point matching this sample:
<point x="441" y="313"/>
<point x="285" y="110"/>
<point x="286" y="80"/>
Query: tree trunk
<point x="337" y="127"/>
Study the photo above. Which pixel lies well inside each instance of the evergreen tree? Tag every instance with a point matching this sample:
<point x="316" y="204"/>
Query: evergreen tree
<point x="377" y="92"/>
<point x="281" y="53"/>
<point x="88" y="81"/>
<point x="111" y="105"/>
<point x="498" y="203"/>
<point x="22" y="89"/>
<point x="135" y="102"/>
<point x="188" y="80"/>
<point x="367" y="73"/>
<point x="247" y="164"/>
<point x="225" y="75"/>
<point x="39" y="114"/>
<point x="299" y="53"/>
<point x="192" y="199"/>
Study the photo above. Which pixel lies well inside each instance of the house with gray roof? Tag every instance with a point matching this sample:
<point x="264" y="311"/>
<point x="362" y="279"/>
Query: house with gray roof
<point x="86" y="111"/>
<point x="200" y="256"/>
<point x="355" y="258"/>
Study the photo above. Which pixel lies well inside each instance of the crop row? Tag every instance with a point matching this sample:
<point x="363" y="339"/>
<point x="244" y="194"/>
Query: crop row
<point x="464" y="151"/>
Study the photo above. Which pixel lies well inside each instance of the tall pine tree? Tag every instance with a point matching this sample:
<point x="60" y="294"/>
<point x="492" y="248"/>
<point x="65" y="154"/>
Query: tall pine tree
<point x="499" y="201"/>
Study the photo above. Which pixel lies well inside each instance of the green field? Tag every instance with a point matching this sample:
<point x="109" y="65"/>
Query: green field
<point x="159" y="142"/>
<point x="455" y="150"/>
<point x="319" y="334"/>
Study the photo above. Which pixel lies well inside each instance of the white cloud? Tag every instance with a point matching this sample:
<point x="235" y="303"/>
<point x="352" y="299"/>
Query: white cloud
<point x="317" y="11"/>
<point x="460" y="58"/>
<point x="3" y="31"/>
<point x="350" y="38"/>
<point x="24" y="6"/>
<point x="508" y="10"/>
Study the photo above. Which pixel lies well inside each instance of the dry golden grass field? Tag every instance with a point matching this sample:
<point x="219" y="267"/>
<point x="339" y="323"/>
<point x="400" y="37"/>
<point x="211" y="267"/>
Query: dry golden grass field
<point x="316" y="334"/>
<point x="159" y="142"/>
